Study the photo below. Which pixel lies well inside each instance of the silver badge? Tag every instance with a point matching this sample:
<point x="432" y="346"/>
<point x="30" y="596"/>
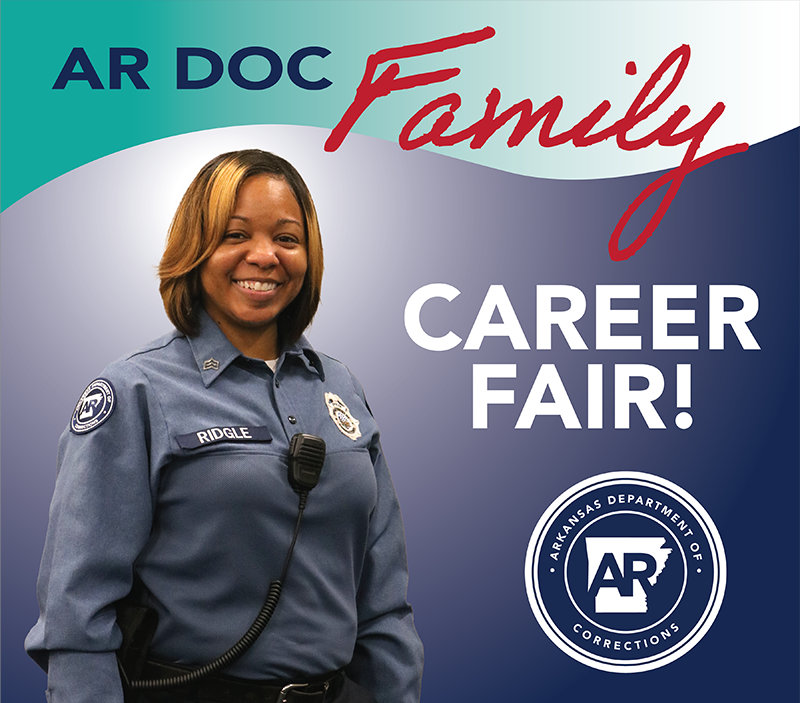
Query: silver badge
<point x="340" y="414"/>
<point x="211" y="363"/>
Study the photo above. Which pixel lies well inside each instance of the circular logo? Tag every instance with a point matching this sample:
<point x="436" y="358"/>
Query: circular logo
<point x="625" y="572"/>
<point x="94" y="407"/>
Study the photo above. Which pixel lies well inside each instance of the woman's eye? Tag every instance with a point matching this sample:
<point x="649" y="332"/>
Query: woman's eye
<point x="233" y="235"/>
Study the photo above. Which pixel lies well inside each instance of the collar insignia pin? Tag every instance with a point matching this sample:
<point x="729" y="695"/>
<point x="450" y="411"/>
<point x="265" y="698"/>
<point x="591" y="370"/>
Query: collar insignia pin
<point x="211" y="363"/>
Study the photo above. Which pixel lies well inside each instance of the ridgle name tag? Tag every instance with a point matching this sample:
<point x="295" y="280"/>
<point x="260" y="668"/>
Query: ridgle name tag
<point x="213" y="435"/>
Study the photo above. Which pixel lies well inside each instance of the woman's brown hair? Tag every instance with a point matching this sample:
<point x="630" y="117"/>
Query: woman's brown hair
<point x="198" y="227"/>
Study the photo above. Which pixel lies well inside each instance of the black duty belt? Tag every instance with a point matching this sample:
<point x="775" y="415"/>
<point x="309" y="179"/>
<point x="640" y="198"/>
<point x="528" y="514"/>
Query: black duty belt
<point x="221" y="688"/>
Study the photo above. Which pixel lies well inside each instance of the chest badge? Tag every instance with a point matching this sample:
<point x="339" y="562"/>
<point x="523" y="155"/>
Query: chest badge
<point x="340" y="414"/>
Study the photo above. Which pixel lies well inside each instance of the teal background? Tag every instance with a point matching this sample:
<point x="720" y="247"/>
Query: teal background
<point x="745" y="54"/>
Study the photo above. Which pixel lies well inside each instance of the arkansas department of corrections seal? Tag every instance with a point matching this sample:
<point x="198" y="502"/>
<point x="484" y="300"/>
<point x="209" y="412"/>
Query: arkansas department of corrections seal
<point x="625" y="572"/>
<point x="94" y="406"/>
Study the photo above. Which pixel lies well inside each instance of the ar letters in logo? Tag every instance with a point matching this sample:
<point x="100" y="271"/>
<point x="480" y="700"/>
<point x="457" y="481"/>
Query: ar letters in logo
<point x="94" y="406"/>
<point x="625" y="572"/>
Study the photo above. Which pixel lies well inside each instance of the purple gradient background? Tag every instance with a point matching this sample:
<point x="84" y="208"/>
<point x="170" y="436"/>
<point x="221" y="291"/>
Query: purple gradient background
<point x="79" y="289"/>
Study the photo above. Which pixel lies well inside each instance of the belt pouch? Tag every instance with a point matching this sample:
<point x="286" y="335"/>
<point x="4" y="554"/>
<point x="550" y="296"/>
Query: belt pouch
<point x="138" y="624"/>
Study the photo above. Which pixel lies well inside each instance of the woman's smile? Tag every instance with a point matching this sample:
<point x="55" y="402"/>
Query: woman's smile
<point x="263" y="286"/>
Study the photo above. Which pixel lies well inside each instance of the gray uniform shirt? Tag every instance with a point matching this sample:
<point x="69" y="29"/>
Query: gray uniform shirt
<point x="175" y="465"/>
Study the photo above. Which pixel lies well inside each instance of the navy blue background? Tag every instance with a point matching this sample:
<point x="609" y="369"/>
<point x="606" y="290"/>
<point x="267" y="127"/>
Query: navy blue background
<point x="471" y="498"/>
<point x="734" y="221"/>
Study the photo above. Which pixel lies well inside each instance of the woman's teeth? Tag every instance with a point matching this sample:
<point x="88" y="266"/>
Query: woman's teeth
<point x="257" y="285"/>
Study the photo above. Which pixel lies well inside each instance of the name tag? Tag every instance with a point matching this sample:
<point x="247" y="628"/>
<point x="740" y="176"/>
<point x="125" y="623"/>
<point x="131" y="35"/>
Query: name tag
<point x="212" y="435"/>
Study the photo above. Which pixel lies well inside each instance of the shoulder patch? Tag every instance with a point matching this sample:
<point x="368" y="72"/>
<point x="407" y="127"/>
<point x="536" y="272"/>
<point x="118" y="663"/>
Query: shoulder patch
<point x="340" y="414"/>
<point x="94" y="406"/>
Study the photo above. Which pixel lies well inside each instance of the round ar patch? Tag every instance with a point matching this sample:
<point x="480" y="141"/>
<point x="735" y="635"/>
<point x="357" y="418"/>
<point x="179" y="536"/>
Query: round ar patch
<point x="94" y="407"/>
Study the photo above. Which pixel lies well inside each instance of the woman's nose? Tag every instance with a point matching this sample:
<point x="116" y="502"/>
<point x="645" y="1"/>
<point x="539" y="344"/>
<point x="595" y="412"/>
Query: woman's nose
<point x="262" y="252"/>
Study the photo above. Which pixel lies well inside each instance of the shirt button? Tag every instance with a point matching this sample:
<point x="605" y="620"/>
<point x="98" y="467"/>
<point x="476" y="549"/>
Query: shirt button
<point x="277" y="383"/>
<point x="293" y="419"/>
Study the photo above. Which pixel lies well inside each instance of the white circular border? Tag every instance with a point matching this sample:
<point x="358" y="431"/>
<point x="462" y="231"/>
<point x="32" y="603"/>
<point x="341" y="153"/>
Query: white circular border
<point x="717" y="556"/>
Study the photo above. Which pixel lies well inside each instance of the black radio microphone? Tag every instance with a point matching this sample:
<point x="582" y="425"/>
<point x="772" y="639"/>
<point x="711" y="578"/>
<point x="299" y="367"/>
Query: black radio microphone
<point x="306" y="456"/>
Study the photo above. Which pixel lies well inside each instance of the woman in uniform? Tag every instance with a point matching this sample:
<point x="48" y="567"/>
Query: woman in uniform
<point x="173" y="488"/>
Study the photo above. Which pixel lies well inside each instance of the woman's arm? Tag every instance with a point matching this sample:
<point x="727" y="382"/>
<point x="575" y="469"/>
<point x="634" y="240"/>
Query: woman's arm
<point x="388" y="655"/>
<point x="100" y="518"/>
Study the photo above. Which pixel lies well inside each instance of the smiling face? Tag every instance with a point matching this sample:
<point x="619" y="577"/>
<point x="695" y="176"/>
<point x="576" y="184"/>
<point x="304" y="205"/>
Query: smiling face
<point x="259" y="266"/>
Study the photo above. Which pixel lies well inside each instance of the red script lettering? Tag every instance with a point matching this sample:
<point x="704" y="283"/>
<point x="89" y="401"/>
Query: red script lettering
<point x="643" y="107"/>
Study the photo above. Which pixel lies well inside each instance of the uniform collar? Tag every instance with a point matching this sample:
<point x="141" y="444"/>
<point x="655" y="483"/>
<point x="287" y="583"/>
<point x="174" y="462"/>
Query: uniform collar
<point x="213" y="353"/>
<point x="303" y="351"/>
